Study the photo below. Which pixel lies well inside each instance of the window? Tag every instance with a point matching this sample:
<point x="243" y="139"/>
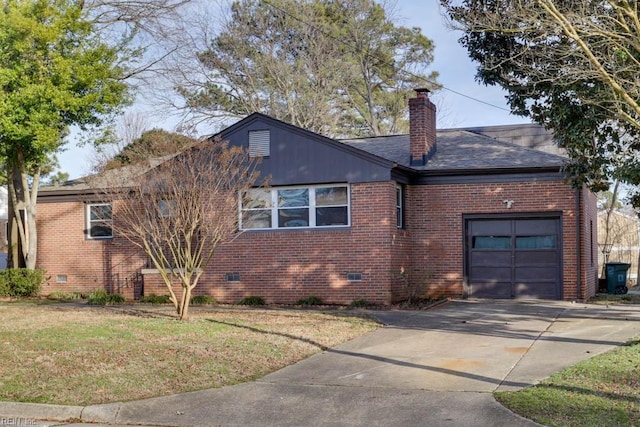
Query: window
<point x="399" y="206"/>
<point x="256" y="209"/>
<point x="259" y="143"/>
<point x="295" y="207"/>
<point x="232" y="277"/>
<point x="99" y="220"/>
<point x="167" y="208"/>
<point x="491" y="242"/>
<point x="536" y="242"/>
<point x="354" y="277"/>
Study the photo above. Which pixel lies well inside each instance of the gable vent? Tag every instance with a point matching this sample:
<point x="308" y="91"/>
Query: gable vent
<point x="259" y="143"/>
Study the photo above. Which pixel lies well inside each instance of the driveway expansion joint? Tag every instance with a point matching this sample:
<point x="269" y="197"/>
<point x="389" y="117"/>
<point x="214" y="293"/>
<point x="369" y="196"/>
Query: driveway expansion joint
<point x="533" y="342"/>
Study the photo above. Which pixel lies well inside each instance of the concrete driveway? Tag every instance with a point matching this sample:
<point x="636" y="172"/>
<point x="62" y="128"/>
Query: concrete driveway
<point x="425" y="368"/>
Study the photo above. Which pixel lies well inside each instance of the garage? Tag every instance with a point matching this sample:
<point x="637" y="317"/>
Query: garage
<point x="513" y="257"/>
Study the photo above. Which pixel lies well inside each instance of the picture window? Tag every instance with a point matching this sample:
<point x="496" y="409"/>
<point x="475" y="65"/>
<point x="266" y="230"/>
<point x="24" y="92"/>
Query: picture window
<point x="295" y="207"/>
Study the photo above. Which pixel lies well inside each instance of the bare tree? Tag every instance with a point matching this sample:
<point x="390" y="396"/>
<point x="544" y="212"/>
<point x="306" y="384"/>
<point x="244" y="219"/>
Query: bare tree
<point x="117" y="138"/>
<point x="180" y="211"/>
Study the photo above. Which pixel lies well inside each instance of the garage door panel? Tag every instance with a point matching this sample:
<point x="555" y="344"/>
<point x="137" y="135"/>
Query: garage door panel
<point x="490" y="258"/>
<point x="536" y="227"/>
<point x="488" y="274"/>
<point x="491" y="228"/>
<point x="541" y="290"/>
<point x="545" y="274"/>
<point x="533" y="258"/>
<point x="491" y="289"/>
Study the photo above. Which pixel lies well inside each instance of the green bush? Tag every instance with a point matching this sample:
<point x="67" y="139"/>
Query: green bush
<point x="66" y="296"/>
<point x="203" y="299"/>
<point x="360" y="303"/>
<point x="20" y="282"/>
<point x="156" y="299"/>
<point x="4" y="287"/>
<point x="312" y="300"/>
<point x="101" y="297"/>
<point x="252" y="300"/>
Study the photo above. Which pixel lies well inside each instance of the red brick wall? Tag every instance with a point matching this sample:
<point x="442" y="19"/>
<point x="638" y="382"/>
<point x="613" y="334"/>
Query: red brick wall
<point x="589" y="225"/>
<point x="64" y="250"/>
<point x="287" y="265"/>
<point x="283" y="266"/>
<point x="436" y="225"/>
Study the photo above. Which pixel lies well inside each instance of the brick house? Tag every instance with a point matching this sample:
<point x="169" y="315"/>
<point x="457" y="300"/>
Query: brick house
<point x="448" y="212"/>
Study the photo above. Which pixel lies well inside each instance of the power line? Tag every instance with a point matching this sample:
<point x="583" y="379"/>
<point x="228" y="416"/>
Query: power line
<point x="354" y="49"/>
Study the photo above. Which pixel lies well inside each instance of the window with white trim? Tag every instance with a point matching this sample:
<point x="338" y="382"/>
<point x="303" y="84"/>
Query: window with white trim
<point x="295" y="207"/>
<point x="99" y="221"/>
<point x="167" y="208"/>
<point x="259" y="143"/>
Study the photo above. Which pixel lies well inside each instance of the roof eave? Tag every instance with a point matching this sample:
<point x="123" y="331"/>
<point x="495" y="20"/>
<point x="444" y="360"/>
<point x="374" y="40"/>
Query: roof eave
<point x="489" y="171"/>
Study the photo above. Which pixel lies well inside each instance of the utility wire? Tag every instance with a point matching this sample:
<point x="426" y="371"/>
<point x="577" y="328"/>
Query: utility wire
<point x="354" y="49"/>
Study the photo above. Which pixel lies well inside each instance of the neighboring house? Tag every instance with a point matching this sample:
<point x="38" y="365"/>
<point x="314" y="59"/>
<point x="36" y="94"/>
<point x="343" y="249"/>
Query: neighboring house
<point x="451" y="212"/>
<point x="4" y="217"/>
<point x="622" y="244"/>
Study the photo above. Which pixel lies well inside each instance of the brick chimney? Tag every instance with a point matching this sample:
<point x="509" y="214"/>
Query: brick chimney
<point x="422" y="128"/>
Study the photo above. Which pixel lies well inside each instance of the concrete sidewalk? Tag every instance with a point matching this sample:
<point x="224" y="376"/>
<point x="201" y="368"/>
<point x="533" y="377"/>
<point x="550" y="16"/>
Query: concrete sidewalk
<point x="433" y="367"/>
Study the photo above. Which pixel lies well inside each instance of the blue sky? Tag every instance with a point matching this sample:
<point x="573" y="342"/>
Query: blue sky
<point x="457" y="72"/>
<point x="450" y="60"/>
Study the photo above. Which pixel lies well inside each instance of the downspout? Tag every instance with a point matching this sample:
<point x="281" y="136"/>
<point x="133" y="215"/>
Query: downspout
<point x="578" y="245"/>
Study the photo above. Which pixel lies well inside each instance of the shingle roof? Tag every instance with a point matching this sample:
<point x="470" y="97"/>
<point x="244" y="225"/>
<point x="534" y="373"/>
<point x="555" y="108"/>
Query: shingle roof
<point x="459" y="149"/>
<point x="531" y="135"/>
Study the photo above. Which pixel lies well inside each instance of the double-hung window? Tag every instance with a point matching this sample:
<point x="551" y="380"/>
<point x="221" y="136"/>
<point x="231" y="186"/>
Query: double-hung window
<point x="295" y="207"/>
<point x="99" y="221"/>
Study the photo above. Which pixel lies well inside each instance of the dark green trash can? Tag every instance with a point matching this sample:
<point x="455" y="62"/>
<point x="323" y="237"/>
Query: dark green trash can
<point x="616" y="274"/>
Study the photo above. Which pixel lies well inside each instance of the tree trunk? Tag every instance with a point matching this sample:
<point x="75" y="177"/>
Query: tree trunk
<point x="22" y="199"/>
<point x="183" y="313"/>
<point x="17" y="227"/>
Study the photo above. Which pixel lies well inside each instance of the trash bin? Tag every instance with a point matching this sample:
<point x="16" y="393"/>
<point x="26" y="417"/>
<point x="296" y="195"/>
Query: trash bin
<point x="616" y="275"/>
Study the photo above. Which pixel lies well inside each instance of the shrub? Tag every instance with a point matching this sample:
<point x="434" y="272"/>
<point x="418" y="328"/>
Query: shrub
<point x="4" y="287"/>
<point x="312" y="300"/>
<point x="20" y="282"/>
<point x="156" y="299"/>
<point x="66" y="296"/>
<point x="252" y="300"/>
<point x="360" y="303"/>
<point x="101" y="297"/>
<point x="203" y="299"/>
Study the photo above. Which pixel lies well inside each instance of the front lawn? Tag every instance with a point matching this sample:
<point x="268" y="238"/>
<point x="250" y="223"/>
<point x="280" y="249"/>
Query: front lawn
<point x="65" y="354"/>
<point x="601" y="391"/>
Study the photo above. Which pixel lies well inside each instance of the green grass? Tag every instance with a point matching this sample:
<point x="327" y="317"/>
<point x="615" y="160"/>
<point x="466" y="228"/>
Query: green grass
<point x="63" y="354"/>
<point x="601" y="391"/>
